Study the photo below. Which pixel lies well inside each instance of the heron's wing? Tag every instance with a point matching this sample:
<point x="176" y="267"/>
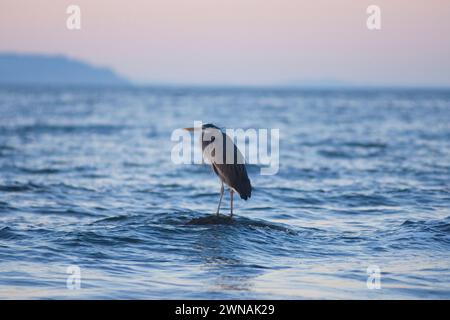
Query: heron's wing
<point x="235" y="175"/>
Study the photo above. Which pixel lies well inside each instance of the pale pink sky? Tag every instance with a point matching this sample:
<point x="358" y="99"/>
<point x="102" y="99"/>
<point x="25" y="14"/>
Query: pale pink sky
<point x="241" y="41"/>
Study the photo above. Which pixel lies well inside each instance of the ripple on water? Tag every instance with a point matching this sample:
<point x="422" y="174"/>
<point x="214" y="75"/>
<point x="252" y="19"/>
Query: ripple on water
<point x="20" y="187"/>
<point x="7" y="233"/>
<point x="88" y="180"/>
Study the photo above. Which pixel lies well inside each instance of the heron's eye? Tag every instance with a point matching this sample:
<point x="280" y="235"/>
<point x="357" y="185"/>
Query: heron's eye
<point x="213" y="138"/>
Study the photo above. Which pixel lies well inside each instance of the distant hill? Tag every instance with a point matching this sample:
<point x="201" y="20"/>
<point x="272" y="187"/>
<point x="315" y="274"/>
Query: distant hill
<point x="53" y="69"/>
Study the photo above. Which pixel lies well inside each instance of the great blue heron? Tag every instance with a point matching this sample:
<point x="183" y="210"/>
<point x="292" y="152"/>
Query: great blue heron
<point x="230" y="169"/>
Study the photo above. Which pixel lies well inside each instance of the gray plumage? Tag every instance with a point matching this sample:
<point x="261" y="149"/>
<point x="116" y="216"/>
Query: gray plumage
<point x="234" y="173"/>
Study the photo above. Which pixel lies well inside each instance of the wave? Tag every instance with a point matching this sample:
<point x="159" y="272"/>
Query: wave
<point x="350" y="154"/>
<point x="42" y="128"/>
<point x="431" y="235"/>
<point x="20" y="187"/>
<point x="435" y="226"/>
<point x="86" y="238"/>
<point x="7" y="233"/>
<point x="74" y="212"/>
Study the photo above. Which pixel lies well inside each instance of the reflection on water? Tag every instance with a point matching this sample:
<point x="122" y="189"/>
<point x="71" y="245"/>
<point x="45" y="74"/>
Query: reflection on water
<point x="86" y="179"/>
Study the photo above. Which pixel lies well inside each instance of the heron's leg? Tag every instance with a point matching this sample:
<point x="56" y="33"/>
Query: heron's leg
<point x="220" y="200"/>
<point x="231" y="202"/>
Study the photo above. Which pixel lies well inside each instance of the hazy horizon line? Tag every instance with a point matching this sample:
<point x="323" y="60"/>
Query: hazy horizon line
<point x="308" y="84"/>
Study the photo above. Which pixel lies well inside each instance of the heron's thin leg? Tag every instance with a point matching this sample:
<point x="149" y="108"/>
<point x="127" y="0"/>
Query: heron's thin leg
<point x="231" y="202"/>
<point x="220" y="200"/>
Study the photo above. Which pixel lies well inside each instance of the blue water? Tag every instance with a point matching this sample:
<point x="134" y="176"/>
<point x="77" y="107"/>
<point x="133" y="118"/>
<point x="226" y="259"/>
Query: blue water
<point x="86" y="179"/>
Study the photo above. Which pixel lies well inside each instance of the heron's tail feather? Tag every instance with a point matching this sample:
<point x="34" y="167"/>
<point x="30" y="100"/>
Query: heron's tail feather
<point x="245" y="191"/>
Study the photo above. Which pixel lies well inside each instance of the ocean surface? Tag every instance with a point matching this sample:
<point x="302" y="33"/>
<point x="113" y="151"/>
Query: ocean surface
<point x="86" y="180"/>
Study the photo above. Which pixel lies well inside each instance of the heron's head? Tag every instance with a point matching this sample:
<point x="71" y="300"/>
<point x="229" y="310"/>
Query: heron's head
<point x="204" y="127"/>
<point x="208" y="133"/>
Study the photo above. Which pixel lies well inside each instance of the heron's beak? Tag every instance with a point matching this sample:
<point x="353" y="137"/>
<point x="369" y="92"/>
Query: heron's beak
<point x="189" y="129"/>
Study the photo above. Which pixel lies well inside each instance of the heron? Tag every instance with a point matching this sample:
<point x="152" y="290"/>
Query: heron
<point x="231" y="173"/>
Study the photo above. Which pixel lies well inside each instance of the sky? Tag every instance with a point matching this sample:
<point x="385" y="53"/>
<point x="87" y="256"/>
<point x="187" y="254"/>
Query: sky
<point x="242" y="42"/>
